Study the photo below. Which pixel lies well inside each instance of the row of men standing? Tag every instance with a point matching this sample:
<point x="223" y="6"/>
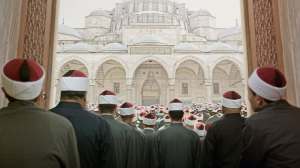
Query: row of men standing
<point x="72" y="137"/>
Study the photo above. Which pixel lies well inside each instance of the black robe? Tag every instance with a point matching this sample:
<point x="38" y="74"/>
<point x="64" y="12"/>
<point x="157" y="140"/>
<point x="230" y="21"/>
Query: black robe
<point x="150" y="148"/>
<point x="121" y="133"/>
<point x="178" y="147"/>
<point x="136" y="152"/>
<point x="93" y="136"/>
<point x="222" y="144"/>
<point x="271" y="137"/>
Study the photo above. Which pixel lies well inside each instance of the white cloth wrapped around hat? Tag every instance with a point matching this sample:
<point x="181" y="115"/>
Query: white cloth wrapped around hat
<point x="108" y="99"/>
<point x="127" y="111"/>
<point x="175" y="107"/>
<point x="21" y="90"/>
<point x="229" y="103"/>
<point x="74" y="84"/>
<point x="264" y="89"/>
<point x="148" y="121"/>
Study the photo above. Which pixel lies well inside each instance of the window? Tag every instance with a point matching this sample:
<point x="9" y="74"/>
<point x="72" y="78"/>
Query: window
<point x="216" y="88"/>
<point x="185" y="89"/>
<point x="117" y="87"/>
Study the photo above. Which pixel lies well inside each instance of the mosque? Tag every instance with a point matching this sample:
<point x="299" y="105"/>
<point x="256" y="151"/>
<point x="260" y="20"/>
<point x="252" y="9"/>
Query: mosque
<point x="150" y="51"/>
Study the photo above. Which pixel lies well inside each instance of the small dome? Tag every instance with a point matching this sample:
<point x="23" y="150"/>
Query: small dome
<point x="201" y="12"/>
<point x="80" y="47"/>
<point x="115" y="47"/>
<point x="220" y="47"/>
<point x="149" y="39"/>
<point x="186" y="47"/>
<point x="229" y="32"/>
<point x="100" y="12"/>
<point x="66" y="30"/>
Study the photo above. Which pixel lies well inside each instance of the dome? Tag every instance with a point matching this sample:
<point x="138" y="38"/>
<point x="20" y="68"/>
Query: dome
<point x="220" y="47"/>
<point x="80" y="47"/>
<point x="115" y="47"/>
<point x="186" y="47"/>
<point x="66" y="30"/>
<point x="100" y="12"/>
<point x="148" y="39"/>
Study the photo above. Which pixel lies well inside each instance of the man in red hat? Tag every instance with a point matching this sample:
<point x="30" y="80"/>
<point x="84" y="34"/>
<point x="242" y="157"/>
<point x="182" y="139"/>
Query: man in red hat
<point x="32" y="137"/>
<point x="177" y="146"/>
<point x="93" y="134"/>
<point x="107" y="105"/>
<point x="271" y="137"/>
<point x="222" y="144"/>
<point x="136" y="151"/>
<point x="149" y="123"/>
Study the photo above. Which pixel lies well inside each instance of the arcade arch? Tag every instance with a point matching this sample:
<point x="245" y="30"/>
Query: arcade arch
<point x="111" y="75"/>
<point x="189" y="82"/>
<point x="150" y="83"/>
<point x="226" y="76"/>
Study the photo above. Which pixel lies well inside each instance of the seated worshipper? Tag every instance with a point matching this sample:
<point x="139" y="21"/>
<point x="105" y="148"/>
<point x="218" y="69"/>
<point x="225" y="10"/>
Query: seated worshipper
<point x="121" y="132"/>
<point x="271" y="137"/>
<point x="178" y="147"/>
<point x="31" y="137"/>
<point x="93" y="134"/>
<point x="137" y="139"/>
<point x="222" y="144"/>
<point x="149" y="123"/>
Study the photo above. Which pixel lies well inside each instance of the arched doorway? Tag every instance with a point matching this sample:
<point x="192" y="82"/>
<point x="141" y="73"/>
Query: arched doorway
<point x="226" y="76"/>
<point x="150" y="91"/>
<point x="150" y="83"/>
<point x="189" y="81"/>
<point x="111" y="75"/>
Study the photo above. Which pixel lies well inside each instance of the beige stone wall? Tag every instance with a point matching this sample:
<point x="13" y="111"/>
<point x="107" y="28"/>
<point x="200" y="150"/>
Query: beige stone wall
<point x="290" y="30"/>
<point x="9" y="32"/>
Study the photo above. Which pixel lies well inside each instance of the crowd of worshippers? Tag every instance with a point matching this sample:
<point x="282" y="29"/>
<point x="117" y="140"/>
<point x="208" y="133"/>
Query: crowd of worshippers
<point x="117" y="136"/>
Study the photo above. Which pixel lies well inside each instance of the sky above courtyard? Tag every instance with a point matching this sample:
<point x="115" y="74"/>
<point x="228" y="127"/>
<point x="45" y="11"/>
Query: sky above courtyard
<point x="72" y="12"/>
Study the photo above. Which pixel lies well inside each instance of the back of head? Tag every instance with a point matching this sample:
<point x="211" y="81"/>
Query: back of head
<point x="107" y="108"/>
<point x="176" y="110"/>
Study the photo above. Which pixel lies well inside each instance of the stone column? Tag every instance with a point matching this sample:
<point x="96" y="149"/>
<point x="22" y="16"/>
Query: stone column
<point x="129" y="88"/>
<point x="92" y="94"/>
<point x="209" y="88"/>
<point x="171" y="90"/>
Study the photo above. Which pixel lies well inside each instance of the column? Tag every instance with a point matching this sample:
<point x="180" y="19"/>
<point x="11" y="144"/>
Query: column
<point x="92" y="93"/>
<point x="171" y="89"/>
<point x="129" y="88"/>
<point x="209" y="88"/>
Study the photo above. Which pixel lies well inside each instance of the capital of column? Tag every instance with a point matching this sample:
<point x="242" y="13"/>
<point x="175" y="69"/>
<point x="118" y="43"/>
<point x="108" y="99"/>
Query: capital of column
<point x="129" y="81"/>
<point x="92" y="82"/>
<point x="171" y="81"/>
<point x="208" y="82"/>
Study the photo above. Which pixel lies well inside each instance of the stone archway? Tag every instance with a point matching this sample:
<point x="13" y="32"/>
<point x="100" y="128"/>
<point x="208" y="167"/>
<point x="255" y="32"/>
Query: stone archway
<point x="189" y="82"/>
<point x="111" y="75"/>
<point x="262" y="27"/>
<point x="150" y="91"/>
<point x="150" y="72"/>
<point x="226" y="76"/>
